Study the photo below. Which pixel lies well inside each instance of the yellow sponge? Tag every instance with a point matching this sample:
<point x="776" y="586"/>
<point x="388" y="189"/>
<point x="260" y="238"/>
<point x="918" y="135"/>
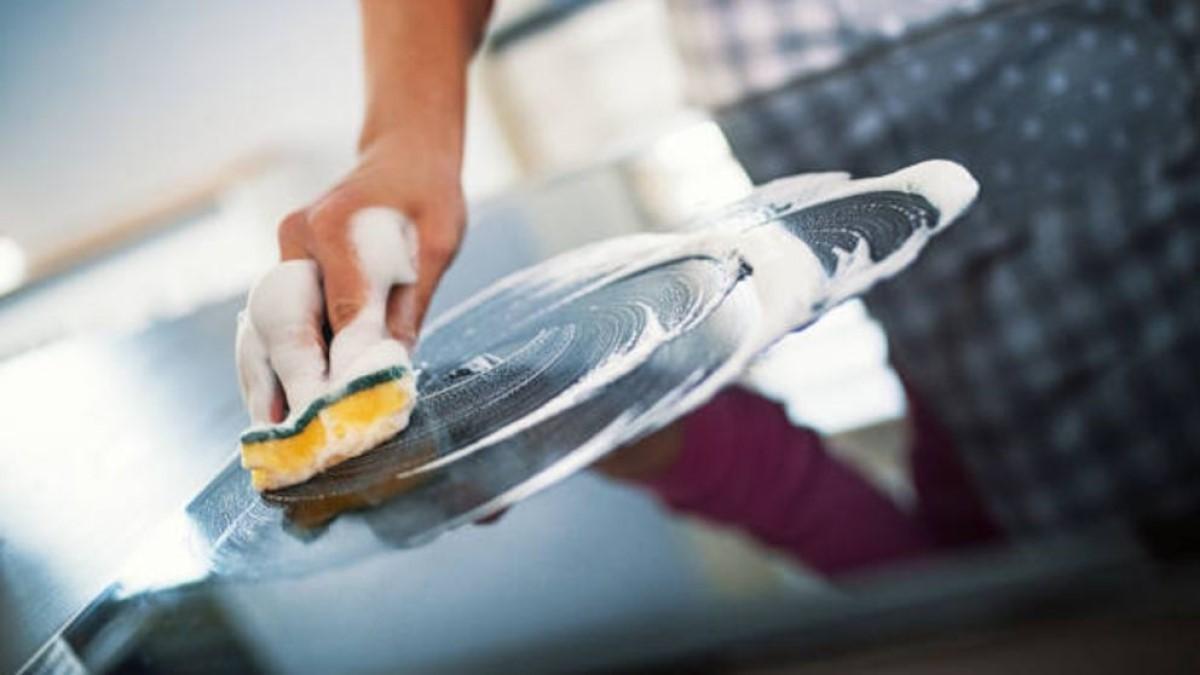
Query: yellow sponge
<point x="334" y="428"/>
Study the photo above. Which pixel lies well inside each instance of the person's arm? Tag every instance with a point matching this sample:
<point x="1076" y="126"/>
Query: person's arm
<point x="410" y="156"/>
<point x="365" y="257"/>
<point x="739" y="462"/>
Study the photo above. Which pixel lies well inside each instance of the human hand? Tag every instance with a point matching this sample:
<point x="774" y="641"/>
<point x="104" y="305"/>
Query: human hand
<point x="396" y="171"/>
<point x="363" y="259"/>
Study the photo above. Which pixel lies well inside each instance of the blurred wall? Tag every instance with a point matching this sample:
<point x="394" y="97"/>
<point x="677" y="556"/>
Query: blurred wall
<point x="601" y="82"/>
<point x="106" y="105"/>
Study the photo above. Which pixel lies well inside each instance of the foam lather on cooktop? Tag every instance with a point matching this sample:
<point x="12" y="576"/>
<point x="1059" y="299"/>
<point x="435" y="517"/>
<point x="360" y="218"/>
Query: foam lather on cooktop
<point x="552" y="367"/>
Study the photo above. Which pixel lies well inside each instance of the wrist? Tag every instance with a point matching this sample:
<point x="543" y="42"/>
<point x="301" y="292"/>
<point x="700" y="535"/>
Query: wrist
<point x="390" y="127"/>
<point x="422" y="127"/>
<point x="376" y="129"/>
<point x="435" y="157"/>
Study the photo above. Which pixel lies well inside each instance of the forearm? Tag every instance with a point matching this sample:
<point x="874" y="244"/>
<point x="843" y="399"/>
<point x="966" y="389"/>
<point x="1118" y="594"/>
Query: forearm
<point x="739" y="462"/>
<point x="416" y="56"/>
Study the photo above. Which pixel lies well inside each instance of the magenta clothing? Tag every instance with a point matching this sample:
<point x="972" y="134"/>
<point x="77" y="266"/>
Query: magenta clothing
<point x="744" y="464"/>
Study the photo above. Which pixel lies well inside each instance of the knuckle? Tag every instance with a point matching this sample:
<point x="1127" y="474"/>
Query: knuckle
<point x="454" y="217"/>
<point x="342" y="311"/>
<point x="330" y="213"/>
<point x="291" y="228"/>
<point x="326" y="222"/>
<point x="440" y="248"/>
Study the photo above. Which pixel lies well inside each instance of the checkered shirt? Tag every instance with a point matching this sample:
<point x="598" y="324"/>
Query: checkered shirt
<point x="733" y="48"/>
<point x="1056" y="330"/>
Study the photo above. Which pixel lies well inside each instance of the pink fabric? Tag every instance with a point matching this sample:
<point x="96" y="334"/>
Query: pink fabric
<point x="744" y="464"/>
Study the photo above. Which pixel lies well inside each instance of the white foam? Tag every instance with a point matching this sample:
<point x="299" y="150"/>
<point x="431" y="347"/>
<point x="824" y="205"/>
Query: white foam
<point x="789" y="282"/>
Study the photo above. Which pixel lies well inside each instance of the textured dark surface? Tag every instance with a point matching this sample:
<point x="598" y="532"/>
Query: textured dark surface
<point x="496" y="365"/>
<point x="523" y="349"/>
<point x="883" y="221"/>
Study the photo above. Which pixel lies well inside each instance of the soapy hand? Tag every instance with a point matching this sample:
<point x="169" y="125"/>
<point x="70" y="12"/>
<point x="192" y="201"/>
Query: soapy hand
<point x="395" y="174"/>
<point x="365" y="259"/>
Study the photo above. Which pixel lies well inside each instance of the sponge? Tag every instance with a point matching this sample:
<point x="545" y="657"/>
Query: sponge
<point x="346" y="392"/>
<point x="333" y="428"/>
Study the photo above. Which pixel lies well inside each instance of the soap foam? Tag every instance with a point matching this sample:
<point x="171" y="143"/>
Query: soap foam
<point x="522" y="387"/>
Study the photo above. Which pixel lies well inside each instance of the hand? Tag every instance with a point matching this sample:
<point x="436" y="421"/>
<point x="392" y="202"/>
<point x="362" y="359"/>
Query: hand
<point x="405" y="197"/>
<point x="397" y="171"/>
<point x="366" y="296"/>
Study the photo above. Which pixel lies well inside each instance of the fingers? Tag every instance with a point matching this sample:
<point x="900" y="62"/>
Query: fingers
<point x="293" y="236"/>
<point x="407" y="305"/>
<point x="342" y="264"/>
<point x="401" y="305"/>
<point x="342" y="280"/>
<point x="325" y="235"/>
<point x="285" y="315"/>
<point x="255" y="378"/>
<point x="383" y="245"/>
<point x="386" y="244"/>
